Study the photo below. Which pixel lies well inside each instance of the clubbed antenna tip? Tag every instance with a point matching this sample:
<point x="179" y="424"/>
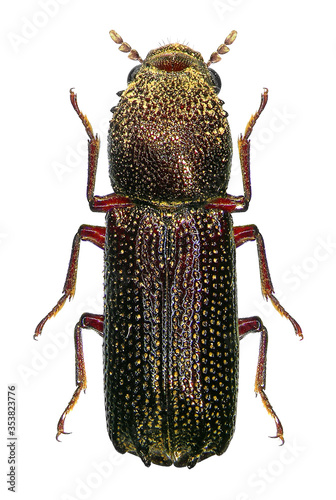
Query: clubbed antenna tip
<point x="125" y="47"/>
<point x="223" y="48"/>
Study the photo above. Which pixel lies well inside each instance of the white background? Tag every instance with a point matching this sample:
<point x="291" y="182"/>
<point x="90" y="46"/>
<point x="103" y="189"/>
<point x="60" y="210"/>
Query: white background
<point x="50" y="46"/>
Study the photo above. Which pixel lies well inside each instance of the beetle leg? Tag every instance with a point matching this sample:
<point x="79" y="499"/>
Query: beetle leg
<point x="242" y="234"/>
<point x="94" y="234"/>
<point x="93" y="144"/>
<point x="96" y="322"/>
<point x="240" y="203"/>
<point x="97" y="203"/>
<point x="244" y="149"/>
<point x="250" y="325"/>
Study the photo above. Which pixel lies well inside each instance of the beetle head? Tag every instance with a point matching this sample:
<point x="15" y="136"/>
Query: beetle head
<point x="169" y="139"/>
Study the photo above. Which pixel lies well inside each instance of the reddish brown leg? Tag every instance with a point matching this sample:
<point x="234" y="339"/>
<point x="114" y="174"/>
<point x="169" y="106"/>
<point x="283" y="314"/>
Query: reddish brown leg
<point x="242" y="234"/>
<point x="94" y="234"/>
<point x="244" y="149"/>
<point x="96" y="322"/>
<point x="97" y="203"/>
<point x="255" y="325"/>
<point x="240" y="203"/>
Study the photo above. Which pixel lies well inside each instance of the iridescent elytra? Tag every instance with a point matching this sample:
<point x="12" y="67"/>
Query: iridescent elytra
<point x="170" y="326"/>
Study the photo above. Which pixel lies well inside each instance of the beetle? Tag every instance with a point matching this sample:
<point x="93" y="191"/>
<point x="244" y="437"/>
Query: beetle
<point x="170" y="326"/>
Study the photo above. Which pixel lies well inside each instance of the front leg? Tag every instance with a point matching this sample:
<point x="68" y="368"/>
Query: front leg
<point x="241" y="203"/>
<point x="97" y="203"/>
<point x="244" y="151"/>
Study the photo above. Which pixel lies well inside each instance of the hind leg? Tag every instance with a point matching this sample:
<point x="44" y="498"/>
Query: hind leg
<point x="255" y="325"/>
<point x="87" y="320"/>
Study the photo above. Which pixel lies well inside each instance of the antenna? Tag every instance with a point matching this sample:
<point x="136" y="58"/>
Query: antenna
<point x="223" y="48"/>
<point x="125" y="47"/>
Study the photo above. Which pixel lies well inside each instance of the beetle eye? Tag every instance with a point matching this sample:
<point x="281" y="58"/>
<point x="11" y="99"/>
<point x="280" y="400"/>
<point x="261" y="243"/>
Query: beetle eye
<point x="132" y="73"/>
<point x="216" y="81"/>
